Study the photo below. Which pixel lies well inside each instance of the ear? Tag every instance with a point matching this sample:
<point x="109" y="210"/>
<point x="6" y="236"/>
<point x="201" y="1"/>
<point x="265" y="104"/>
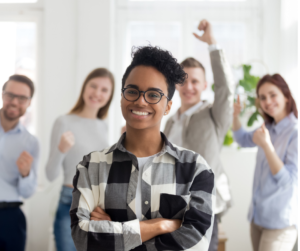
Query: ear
<point x="205" y="85"/>
<point x="168" y="108"/>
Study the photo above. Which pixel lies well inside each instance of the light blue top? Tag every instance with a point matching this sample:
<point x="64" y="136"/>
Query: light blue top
<point x="274" y="198"/>
<point x="12" y="143"/>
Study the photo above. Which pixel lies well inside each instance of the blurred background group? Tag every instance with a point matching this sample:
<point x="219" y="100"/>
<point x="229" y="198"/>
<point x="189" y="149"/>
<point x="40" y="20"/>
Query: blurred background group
<point x="57" y="43"/>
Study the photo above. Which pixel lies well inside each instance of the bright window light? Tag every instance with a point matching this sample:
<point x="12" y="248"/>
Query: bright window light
<point x="18" y="1"/>
<point x="187" y="0"/>
<point x="18" y="56"/>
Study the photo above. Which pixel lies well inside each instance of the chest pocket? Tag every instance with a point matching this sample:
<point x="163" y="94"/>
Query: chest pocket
<point x="173" y="206"/>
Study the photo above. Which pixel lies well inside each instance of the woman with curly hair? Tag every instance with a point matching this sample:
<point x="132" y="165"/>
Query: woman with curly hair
<point x="144" y="193"/>
<point x="273" y="211"/>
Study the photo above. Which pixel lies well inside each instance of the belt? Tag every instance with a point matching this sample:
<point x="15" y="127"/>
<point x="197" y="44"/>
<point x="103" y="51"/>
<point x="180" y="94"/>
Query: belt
<point x="10" y="204"/>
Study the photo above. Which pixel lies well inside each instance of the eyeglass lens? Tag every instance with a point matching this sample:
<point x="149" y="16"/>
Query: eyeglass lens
<point x="151" y="97"/>
<point x="10" y="96"/>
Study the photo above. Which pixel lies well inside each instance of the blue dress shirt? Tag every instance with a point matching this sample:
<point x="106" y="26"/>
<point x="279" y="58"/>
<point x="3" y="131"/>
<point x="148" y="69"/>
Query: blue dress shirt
<point x="274" y="197"/>
<point x="12" y="143"/>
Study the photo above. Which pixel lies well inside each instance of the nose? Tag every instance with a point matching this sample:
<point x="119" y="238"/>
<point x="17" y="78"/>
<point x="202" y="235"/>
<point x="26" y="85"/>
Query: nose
<point x="141" y="101"/>
<point x="14" y="101"/>
<point x="188" y="86"/>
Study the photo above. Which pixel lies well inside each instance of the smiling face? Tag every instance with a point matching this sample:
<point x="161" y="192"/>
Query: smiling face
<point x="194" y="85"/>
<point x="139" y="114"/>
<point x="97" y="93"/>
<point x="272" y="101"/>
<point x="13" y="109"/>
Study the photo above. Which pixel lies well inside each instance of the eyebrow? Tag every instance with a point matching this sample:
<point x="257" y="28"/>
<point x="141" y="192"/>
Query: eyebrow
<point x="136" y="87"/>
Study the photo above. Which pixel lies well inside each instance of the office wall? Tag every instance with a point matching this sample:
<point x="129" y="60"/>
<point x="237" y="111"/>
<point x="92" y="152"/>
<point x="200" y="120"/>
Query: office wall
<point x="77" y="36"/>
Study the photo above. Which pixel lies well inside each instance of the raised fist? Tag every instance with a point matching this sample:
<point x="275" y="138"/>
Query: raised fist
<point x="67" y="140"/>
<point x="207" y="36"/>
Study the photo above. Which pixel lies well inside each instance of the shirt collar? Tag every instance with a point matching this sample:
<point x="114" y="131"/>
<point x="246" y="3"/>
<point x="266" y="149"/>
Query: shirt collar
<point x="18" y="128"/>
<point x="167" y="147"/>
<point x="188" y="112"/>
<point x="284" y="123"/>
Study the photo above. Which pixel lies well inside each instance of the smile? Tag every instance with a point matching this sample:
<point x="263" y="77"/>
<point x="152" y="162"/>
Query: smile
<point x="140" y="113"/>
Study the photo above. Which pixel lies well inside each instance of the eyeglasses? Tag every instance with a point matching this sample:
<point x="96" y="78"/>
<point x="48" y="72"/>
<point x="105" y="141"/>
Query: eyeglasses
<point x="8" y="96"/>
<point x="150" y="96"/>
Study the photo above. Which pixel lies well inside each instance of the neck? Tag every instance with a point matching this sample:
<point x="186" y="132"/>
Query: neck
<point x="88" y="113"/>
<point x="6" y="124"/>
<point x="144" y="142"/>
<point x="280" y="117"/>
<point x="185" y="107"/>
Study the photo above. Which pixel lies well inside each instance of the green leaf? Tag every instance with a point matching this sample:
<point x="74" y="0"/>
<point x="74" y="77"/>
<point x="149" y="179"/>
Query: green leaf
<point x="213" y="87"/>
<point x="247" y="86"/>
<point x="228" y="140"/>
<point x="246" y="69"/>
<point x="251" y="101"/>
<point x="252" y="118"/>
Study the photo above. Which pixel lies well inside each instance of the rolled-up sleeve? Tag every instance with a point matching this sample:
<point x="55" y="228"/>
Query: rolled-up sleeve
<point x="288" y="174"/>
<point x="97" y="235"/>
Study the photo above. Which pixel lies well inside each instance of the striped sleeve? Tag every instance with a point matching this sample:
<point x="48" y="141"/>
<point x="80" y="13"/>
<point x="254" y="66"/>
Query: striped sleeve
<point x="196" y="229"/>
<point x="97" y="235"/>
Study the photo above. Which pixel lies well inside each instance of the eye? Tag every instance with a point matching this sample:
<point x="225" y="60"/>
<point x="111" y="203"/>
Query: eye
<point x="104" y="90"/>
<point x="262" y="98"/>
<point x="22" y="98"/>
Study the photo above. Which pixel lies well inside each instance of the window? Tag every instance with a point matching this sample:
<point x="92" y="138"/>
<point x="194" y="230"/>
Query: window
<point x="18" y="56"/>
<point x="18" y="1"/>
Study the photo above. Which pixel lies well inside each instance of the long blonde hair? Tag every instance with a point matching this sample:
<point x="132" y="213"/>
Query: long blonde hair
<point x="98" y="72"/>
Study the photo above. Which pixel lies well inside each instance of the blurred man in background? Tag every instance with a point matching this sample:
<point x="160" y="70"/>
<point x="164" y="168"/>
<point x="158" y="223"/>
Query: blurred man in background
<point x="201" y="126"/>
<point x="19" y="151"/>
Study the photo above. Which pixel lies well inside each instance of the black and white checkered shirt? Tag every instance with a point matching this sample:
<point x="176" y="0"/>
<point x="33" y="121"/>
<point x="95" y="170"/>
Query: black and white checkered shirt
<point x="176" y="184"/>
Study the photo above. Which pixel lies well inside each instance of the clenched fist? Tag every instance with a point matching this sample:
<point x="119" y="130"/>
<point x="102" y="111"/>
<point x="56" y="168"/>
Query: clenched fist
<point x="261" y="137"/>
<point x="67" y="140"/>
<point x="207" y="36"/>
<point x="24" y="163"/>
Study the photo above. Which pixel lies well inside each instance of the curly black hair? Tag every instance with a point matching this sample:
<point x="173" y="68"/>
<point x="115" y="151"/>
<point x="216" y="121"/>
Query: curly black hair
<point x="160" y="59"/>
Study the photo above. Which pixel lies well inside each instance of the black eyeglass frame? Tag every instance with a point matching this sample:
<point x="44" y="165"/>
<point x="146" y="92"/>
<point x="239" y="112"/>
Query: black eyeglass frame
<point x="144" y="92"/>
<point x="11" y="96"/>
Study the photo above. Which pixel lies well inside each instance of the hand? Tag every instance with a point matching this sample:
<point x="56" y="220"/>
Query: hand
<point x="67" y="140"/>
<point x="261" y="137"/>
<point x="169" y="226"/>
<point x="207" y="36"/>
<point x="24" y="163"/>
<point x="237" y="108"/>
<point x="98" y="214"/>
<point x="123" y="129"/>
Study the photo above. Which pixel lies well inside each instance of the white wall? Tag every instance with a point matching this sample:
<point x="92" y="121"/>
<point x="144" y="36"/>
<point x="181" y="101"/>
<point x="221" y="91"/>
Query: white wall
<point x="78" y="36"/>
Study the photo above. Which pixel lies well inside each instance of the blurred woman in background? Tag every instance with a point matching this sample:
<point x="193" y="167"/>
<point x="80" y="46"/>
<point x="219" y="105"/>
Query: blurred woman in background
<point x="273" y="210"/>
<point x="74" y="135"/>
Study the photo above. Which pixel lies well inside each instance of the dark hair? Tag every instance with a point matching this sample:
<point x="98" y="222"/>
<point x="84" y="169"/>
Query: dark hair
<point x="23" y="79"/>
<point x="278" y="81"/>
<point x="99" y="72"/>
<point x="192" y="63"/>
<point x="161" y="60"/>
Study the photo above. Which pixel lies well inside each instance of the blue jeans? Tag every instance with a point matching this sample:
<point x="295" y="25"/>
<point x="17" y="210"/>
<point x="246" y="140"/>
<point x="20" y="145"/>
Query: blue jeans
<point x="62" y="223"/>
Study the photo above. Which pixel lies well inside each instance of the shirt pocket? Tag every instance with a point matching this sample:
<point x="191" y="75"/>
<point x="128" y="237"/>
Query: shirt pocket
<point x="173" y="206"/>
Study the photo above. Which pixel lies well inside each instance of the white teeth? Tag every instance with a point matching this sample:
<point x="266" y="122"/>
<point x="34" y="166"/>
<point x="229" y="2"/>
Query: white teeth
<point x="140" y="113"/>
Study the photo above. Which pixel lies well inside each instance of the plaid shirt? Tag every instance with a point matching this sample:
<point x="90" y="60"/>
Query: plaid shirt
<point x="177" y="184"/>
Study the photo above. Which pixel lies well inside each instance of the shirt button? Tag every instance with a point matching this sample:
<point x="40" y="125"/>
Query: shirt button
<point x="146" y="202"/>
